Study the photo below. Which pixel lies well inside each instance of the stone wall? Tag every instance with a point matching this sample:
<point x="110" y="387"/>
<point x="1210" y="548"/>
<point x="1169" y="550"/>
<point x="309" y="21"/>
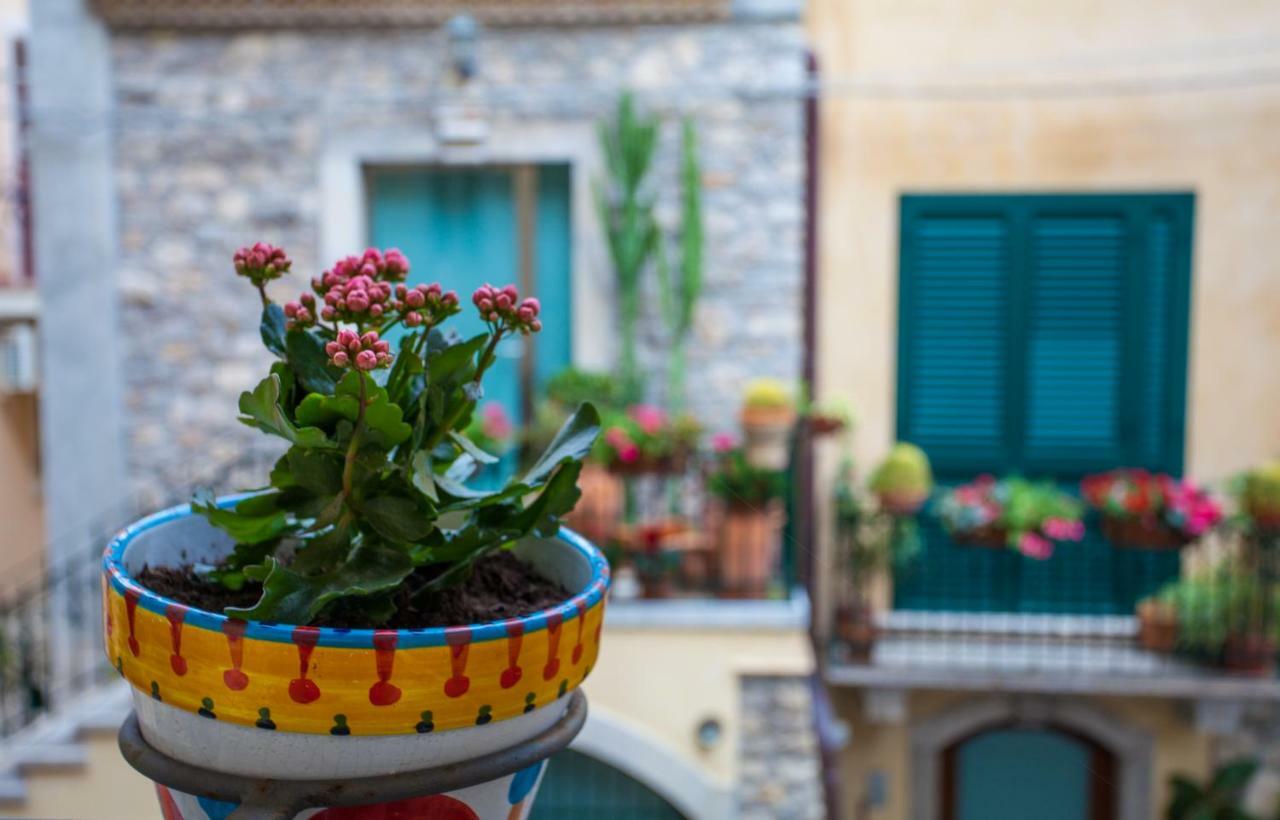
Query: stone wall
<point x="781" y="771"/>
<point x="218" y="139"/>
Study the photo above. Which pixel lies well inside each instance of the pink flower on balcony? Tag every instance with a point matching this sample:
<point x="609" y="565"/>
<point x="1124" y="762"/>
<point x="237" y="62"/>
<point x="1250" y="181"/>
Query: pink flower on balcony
<point x="629" y="454"/>
<point x="722" y="443"/>
<point x="495" y="422"/>
<point x="1034" y="545"/>
<point x="1062" y="529"/>
<point x="650" y="419"/>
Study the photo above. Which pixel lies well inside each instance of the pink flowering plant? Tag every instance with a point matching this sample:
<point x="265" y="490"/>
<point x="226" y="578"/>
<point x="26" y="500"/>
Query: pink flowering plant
<point x="1027" y="516"/>
<point x="1155" y="500"/>
<point x="645" y="434"/>
<point x="371" y="494"/>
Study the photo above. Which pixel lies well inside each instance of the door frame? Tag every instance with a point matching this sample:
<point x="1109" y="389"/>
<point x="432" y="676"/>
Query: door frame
<point x="344" y="204"/>
<point x="1131" y="748"/>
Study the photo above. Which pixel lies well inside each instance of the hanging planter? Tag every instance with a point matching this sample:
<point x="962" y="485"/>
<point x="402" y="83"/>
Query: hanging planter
<point x="903" y="481"/>
<point x="370" y="594"/>
<point x="1028" y="517"/>
<point x="1150" y="511"/>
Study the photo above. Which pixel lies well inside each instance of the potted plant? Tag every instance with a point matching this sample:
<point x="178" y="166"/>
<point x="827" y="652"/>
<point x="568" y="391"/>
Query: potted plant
<point x="748" y="522"/>
<point x="1227" y="618"/>
<point x="870" y="540"/>
<point x="1143" y="510"/>
<point x="368" y="595"/>
<point x="1259" y="497"/>
<point x="826" y="418"/>
<point x="767" y="416"/>
<point x="644" y="439"/>
<point x="903" y="481"/>
<point x="1025" y="516"/>
<point x="1222" y="797"/>
<point x="1157" y="624"/>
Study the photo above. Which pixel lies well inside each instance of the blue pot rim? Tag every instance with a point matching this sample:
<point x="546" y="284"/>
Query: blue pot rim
<point x="121" y="580"/>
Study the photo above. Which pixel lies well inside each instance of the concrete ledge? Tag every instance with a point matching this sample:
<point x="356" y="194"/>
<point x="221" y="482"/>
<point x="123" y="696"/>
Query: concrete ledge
<point x="791" y="614"/>
<point x="1187" y="684"/>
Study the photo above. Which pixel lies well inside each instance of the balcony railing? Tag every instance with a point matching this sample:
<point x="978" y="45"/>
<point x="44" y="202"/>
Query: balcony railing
<point x="1094" y="617"/>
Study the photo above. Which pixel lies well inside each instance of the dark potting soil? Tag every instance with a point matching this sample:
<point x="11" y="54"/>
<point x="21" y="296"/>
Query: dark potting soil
<point x="501" y="586"/>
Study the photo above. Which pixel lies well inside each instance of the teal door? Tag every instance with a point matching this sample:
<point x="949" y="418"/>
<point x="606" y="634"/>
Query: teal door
<point x="1017" y="774"/>
<point x="578" y="787"/>
<point x="464" y="227"/>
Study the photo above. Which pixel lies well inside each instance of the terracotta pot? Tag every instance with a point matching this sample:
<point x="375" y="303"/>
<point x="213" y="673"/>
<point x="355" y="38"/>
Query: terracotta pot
<point x="820" y="425"/>
<point x="1266" y="519"/>
<point x="902" y="503"/>
<point x="1157" y="626"/>
<point x="988" y="537"/>
<point x="766" y="436"/>
<point x="307" y="703"/>
<point x="748" y="542"/>
<point x="1250" y="654"/>
<point x="1143" y="534"/>
<point x="599" y="510"/>
<point x="857" y="631"/>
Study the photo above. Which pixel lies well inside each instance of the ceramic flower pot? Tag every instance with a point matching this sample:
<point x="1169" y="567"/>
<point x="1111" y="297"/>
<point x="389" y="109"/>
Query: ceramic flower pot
<point x="1157" y="626"/>
<point x="306" y="703"/>
<point x="766" y="436"/>
<point x="749" y="539"/>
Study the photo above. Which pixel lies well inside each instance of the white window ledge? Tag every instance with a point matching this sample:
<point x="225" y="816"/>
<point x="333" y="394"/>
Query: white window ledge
<point x="791" y="614"/>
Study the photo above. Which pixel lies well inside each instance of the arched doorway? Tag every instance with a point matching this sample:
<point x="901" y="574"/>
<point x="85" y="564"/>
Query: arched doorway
<point x="579" y="787"/>
<point x="1015" y="772"/>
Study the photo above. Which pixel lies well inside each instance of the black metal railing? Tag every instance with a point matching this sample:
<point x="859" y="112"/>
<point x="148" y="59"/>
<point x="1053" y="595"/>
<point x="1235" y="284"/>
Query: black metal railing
<point x="1095" y="608"/>
<point x="51" y="626"/>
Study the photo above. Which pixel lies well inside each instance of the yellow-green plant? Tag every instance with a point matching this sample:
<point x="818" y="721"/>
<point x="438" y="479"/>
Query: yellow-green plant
<point x="680" y="293"/>
<point x="767" y="394"/>
<point x="905" y="469"/>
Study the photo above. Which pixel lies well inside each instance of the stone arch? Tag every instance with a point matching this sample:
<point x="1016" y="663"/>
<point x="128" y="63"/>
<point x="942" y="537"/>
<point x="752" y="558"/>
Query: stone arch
<point x="1130" y="746"/>
<point x="638" y="753"/>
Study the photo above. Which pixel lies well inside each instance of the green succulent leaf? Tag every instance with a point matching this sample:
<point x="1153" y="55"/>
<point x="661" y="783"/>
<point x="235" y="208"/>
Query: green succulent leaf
<point x="424" y="477"/>
<point x="261" y="409"/>
<point x="383" y="421"/>
<point x="319" y="471"/>
<point x="472" y="449"/>
<point x="290" y="597"/>
<point x="398" y="519"/>
<point x="456" y="362"/>
<point x="305" y="353"/>
<point x="272" y="328"/>
<point x="572" y="442"/>
<point x="254" y="526"/>
<point x="322" y="552"/>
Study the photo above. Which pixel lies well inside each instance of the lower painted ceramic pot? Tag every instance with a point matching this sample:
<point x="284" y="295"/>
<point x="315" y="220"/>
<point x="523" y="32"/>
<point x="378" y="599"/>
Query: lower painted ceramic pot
<point x="306" y="703"/>
<point x="507" y="798"/>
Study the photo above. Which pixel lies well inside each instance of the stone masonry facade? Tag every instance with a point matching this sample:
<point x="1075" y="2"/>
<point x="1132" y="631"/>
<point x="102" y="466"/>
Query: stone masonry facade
<point x="218" y="140"/>
<point x="781" y="773"/>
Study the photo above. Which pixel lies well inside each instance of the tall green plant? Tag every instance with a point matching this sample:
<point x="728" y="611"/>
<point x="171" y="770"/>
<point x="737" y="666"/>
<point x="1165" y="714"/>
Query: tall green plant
<point x="626" y="213"/>
<point x="680" y="297"/>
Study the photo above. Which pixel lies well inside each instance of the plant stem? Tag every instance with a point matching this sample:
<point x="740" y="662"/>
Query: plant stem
<point x="262" y="291"/>
<point x="349" y="466"/>
<point x="487" y="357"/>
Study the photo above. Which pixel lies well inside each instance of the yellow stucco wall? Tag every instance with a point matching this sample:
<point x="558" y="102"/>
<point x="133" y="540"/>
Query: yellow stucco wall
<point x="919" y="99"/>
<point x="104" y="789"/>
<point x="887" y="748"/>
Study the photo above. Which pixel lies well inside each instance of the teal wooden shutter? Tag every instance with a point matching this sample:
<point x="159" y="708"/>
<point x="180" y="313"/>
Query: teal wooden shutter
<point x="1044" y="335"/>
<point x="578" y="787"/>
<point x="952" y="378"/>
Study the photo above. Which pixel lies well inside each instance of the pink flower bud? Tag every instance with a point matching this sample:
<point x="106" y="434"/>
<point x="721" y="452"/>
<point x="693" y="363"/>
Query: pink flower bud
<point x="384" y="359"/>
<point x="511" y="293"/>
<point x="535" y="325"/>
<point x="291" y="309"/>
<point x="532" y="304"/>
<point x="433" y="289"/>
<point x="401" y="290"/>
<point x="366" y="360"/>
<point x="347" y="337"/>
<point x="328" y="314"/>
<point x="486" y="306"/>
<point x="304" y="316"/>
<point x="307" y="299"/>
<point x="503" y="301"/>
<point x="450" y="299"/>
<point x="525" y="314"/>
<point x="375" y="311"/>
<point x="340" y="358"/>
<point x="332" y="348"/>
<point x="358" y="302"/>
<point x="412" y="319"/>
<point x="415" y="299"/>
<point x="369" y="339"/>
<point x="382" y="346"/>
